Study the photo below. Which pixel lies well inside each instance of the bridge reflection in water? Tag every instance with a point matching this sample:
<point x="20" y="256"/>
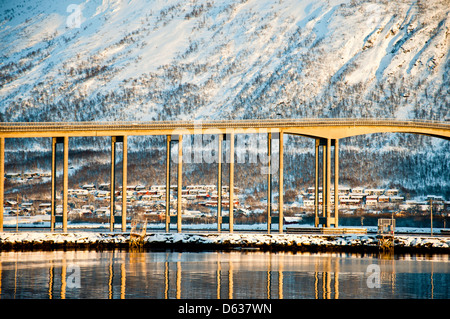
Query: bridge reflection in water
<point x="217" y="275"/>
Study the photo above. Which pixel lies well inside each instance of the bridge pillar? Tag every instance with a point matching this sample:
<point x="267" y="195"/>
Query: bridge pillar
<point x="124" y="182"/>
<point x="114" y="140"/>
<point x="316" y="184"/>
<point x="2" y="180"/>
<point x="55" y="142"/>
<point x="65" y="182"/>
<point x="168" y="158"/>
<point x="269" y="182"/>
<point x="112" y="187"/>
<point x="326" y="220"/>
<point x="328" y="183"/>
<point x="219" y="183"/>
<point x="280" y="185"/>
<point x="53" y="190"/>
<point x="169" y="140"/>
<point x="270" y="138"/>
<point x="230" y="137"/>
<point x="179" y="176"/>
<point x="336" y="182"/>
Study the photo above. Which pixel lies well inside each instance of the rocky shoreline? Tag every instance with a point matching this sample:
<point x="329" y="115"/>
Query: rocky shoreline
<point x="356" y="243"/>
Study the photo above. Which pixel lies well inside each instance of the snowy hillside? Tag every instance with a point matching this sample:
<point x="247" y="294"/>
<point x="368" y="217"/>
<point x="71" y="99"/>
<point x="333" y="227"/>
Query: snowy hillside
<point x="151" y="60"/>
<point x="76" y="60"/>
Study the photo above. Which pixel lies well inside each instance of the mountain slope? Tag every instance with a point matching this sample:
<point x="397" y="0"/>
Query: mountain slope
<point x="224" y="59"/>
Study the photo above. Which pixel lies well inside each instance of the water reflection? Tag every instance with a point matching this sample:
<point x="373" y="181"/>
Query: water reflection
<point x="169" y="275"/>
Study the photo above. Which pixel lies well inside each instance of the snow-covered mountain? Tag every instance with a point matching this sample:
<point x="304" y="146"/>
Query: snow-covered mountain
<point x="74" y="60"/>
<point x="149" y="60"/>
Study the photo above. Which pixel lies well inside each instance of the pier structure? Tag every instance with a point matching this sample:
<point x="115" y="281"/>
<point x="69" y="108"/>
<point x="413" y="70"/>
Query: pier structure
<point x="326" y="132"/>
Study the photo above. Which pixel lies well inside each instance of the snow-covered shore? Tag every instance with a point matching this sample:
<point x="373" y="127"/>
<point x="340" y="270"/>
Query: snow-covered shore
<point x="350" y="242"/>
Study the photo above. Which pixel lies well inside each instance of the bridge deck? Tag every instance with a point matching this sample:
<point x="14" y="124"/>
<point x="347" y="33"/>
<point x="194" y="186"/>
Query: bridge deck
<point x="316" y="128"/>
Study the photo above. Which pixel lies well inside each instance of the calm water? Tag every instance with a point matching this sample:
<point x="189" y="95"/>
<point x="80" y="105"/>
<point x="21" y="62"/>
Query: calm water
<point x="237" y="274"/>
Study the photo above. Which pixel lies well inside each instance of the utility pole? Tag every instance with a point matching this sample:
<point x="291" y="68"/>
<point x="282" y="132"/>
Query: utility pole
<point x="431" y="215"/>
<point x="17" y="214"/>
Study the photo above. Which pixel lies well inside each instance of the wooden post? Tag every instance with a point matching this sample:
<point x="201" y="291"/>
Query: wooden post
<point x="124" y="182"/>
<point x="168" y="143"/>
<point x="281" y="181"/>
<point x="65" y="182"/>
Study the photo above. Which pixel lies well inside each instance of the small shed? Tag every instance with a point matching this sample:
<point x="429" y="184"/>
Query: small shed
<point x="386" y="226"/>
<point x="385" y="234"/>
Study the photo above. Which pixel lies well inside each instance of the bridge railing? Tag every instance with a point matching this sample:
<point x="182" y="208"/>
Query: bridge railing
<point x="266" y="123"/>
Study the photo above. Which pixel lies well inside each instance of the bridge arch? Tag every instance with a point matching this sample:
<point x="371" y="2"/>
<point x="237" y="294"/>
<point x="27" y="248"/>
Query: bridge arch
<point x="338" y="132"/>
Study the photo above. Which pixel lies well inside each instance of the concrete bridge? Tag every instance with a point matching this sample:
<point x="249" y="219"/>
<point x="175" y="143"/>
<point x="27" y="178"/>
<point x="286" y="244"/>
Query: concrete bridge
<point x="326" y="132"/>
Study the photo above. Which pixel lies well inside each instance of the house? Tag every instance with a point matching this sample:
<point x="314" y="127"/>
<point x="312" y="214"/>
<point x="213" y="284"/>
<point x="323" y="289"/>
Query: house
<point x="308" y="203"/>
<point x="405" y="206"/>
<point x="374" y="191"/>
<point x="391" y="192"/>
<point x="359" y="196"/>
<point x="141" y="192"/>
<point x="397" y="199"/>
<point x="436" y="199"/>
<point x="311" y="190"/>
<point x="27" y="207"/>
<point x="158" y="187"/>
<point x="78" y="192"/>
<point x="371" y="202"/>
<point x="211" y="203"/>
<point x="227" y="203"/>
<point x="343" y="189"/>
<point x="446" y="205"/>
<point x="104" y="187"/>
<point x="45" y="208"/>
<point x="383" y="199"/>
<point x="10" y="203"/>
<point x="88" y="187"/>
<point x="12" y="175"/>
<point x="358" y="190"/>
<point x="349" y="201"/>
<point x="102" y="193"/>
<point x="102" y="211"/>
<point x="210" y="188"/>
<point x="203" y="196"/>
<point x="423" y="206"/>
<point x="189" y="196"/>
